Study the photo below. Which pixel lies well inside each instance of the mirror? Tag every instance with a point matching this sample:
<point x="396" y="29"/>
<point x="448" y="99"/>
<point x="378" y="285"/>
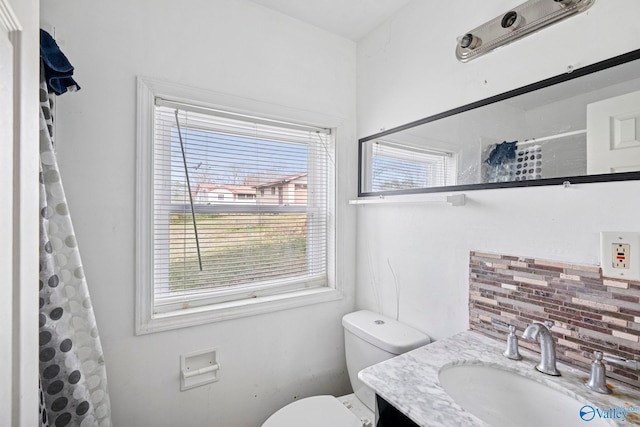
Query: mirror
<point x="583" y="126"/>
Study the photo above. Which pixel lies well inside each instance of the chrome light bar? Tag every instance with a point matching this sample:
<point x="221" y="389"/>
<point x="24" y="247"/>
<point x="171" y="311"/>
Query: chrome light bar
<point x="520" y="21"/>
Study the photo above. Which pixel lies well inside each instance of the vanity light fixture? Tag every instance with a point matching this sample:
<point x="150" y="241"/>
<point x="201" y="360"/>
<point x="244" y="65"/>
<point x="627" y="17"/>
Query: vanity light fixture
<point x="524" y="19"/>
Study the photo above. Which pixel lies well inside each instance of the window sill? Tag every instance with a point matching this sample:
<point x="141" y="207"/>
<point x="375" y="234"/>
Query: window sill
<point x="233" y="309"/>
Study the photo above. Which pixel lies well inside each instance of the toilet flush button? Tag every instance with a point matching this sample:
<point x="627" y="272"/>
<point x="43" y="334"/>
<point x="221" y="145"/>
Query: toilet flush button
<point x="379" y="322"/>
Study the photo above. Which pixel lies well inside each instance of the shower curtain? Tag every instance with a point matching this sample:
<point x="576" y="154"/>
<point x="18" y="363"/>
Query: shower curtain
<point x="73" y="381"/>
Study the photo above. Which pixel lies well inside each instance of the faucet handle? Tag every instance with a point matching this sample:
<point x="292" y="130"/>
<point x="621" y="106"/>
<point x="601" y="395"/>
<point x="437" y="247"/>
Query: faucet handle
<point x="627" y="363"/>
<point x="549" y="324"/>
<point x="511" y="351"/>
<point x="598" y="379"/>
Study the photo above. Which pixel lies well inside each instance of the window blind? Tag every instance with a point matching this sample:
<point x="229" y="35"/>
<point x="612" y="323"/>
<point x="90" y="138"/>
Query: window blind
<point x="250" y="206"/>
<point x="400" y="167"/>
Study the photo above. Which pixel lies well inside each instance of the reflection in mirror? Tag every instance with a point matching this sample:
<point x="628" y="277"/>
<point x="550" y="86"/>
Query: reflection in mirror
<point x="398" y="166"/>
<point x="583" y="126"/>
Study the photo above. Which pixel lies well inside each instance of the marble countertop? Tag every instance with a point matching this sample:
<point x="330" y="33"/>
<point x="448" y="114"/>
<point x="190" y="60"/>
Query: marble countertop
<point x="410" y="381"/>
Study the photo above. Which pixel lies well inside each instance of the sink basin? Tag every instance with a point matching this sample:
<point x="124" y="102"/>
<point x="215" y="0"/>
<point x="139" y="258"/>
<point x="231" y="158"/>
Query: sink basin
<point x="503" y="398"/>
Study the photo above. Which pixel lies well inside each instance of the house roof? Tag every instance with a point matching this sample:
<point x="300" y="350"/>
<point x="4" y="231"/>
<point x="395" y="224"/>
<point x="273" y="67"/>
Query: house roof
<point x="281" y="180"/>
<point x="235" y="189"/>
<point x="249" y="189"/>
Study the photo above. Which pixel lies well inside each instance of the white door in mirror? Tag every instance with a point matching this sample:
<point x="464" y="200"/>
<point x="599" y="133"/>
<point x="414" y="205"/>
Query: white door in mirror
<point x="613" y="134"/>
<point x="620" y="255"/>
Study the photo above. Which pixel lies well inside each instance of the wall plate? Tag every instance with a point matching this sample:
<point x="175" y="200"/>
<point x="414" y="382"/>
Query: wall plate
<point x="199" y="368"/>
<point x="620" y="255"/>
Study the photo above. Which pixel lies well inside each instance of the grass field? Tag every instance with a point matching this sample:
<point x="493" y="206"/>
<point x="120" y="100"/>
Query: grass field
<point x="236" y="249"/>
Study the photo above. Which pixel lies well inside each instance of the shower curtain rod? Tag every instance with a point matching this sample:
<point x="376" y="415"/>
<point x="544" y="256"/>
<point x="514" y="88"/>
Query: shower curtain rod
<point x="551" y="137"/>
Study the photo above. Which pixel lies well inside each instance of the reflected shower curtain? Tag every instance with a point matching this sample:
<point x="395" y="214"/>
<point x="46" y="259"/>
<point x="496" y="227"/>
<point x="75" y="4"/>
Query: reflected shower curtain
<point x="73" y="381"/>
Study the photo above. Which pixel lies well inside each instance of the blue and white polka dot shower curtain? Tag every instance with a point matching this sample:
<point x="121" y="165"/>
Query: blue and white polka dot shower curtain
<point x="73" y="377"/>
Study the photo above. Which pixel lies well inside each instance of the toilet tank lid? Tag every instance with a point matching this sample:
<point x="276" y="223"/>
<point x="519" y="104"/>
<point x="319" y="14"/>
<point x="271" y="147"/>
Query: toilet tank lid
<point x="384" y="332"/>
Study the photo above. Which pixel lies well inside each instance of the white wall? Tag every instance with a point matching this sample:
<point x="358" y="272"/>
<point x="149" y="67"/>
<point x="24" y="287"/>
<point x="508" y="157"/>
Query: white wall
<point x="233" y="47"/>
<point x="407" y="70"/>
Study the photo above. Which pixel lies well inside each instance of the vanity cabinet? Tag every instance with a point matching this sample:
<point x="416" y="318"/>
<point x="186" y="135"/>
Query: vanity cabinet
<point x="388" y="416"/>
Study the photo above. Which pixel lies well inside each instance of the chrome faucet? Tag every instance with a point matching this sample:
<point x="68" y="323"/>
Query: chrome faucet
<point x="542" y="334"/>
<point x="598" y="378"/>
<point x="512" y="345"/>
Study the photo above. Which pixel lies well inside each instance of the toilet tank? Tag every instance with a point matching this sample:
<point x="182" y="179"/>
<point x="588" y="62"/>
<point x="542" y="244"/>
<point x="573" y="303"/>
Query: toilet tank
<point x="370" y="338"/>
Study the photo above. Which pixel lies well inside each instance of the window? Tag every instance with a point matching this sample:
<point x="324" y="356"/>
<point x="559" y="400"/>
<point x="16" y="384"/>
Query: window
<point x="216" y="244"/>
<point x="396" y="166"/>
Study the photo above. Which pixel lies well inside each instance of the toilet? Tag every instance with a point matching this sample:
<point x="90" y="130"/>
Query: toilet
<point x="369" y="338"/>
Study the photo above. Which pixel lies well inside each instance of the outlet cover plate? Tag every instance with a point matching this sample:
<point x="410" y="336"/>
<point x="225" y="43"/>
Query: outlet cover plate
<point x="608" y="242"/>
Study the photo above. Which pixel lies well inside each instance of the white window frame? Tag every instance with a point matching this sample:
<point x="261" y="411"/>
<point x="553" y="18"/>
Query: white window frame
<point x="404" y="151"/>
<point x="150" y="319"/>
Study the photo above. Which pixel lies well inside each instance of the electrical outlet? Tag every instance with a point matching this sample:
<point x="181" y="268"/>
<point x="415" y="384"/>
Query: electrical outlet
<point x="619" y="255"/>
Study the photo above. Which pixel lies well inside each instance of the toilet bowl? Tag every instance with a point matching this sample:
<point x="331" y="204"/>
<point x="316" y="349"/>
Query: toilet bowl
<point x="369" y="338"/>
<point x="314" y="411"/>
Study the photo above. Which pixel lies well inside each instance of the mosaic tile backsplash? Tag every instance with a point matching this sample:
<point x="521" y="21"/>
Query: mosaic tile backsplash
<point x="590" y="312"/>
